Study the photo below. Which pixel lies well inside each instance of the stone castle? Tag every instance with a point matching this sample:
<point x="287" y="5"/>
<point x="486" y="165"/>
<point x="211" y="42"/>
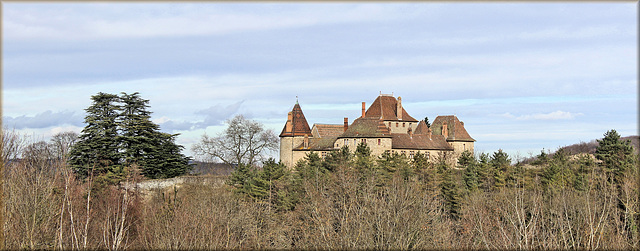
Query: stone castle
<point x="384" y="127"/>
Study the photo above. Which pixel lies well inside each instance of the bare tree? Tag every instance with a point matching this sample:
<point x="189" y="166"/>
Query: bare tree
<point x="62" y="143"/>
<point x="243" y="142"/>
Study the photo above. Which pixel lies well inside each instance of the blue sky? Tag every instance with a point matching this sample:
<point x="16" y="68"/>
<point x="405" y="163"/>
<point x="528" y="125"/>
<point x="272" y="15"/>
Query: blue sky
<point x="522" y="76"/>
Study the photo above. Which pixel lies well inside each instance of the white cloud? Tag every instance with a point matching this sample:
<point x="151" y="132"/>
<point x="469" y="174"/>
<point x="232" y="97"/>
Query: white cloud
<point x="99" y="21"/>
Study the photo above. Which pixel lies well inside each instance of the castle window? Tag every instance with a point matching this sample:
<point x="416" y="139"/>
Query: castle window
<point x="403" y="124"/>
<point x="464" y="147"/>
<point x="324" y="155"/>
<point x="364" y="141"/>
<point x="389" y="124"/>
<point x="428" y="155"/>
<point x="411" y="154"/>
<point x="403" y="152"/>
<point x="379" y="141"/>
<point x="396" y="124"/>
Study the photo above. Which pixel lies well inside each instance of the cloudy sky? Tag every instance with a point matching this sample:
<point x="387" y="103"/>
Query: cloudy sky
<point x="522" y="76"/>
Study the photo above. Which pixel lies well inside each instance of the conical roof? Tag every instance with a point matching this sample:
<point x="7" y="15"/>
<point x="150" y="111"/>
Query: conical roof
<point x="299" y="125"/>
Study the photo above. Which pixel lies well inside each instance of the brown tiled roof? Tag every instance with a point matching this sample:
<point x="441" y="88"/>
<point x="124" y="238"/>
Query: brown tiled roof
<point x="325" y="130"/>
<point x="366" y="128"/>
<point x="387" y="108"/>
<point x="300" y="127"/>
<point x="422" y="128"/>
<point x="419" y="142"/>
<point x="454" y="126"/>
<point x="317" y="144"/>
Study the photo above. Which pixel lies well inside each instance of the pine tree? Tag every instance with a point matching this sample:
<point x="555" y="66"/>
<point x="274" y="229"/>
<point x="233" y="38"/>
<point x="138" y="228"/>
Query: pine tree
<point x="465" y="159"/>
<point x="584" y="165"/>
<point x="143" y="143"/>
<point x="426" y="121"/>
<point x="616" y="155"/>
<point x="485" y="174"/>
<point x="470" y="178"/>
<point x="542" y="159"/>
<point x="240" y="177"/>
<point x="119" y="134"/>
<point x="97" y="148"/>
<point x="500" y="163"/>
<point x="420" y="165"/>
<point x="338" y="159"/>
<point x="363" y="160"/>
<point x="388" y="164"/>
<point x="451" y="194"/>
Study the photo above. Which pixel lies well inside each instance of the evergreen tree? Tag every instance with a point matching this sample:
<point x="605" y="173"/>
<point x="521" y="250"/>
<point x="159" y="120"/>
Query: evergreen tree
<point x="338" y="159"/>
<point x="451" y="194"/>
<point x="97" y="148"/>
<point x="426" y="121"/>
<point x="542" y="159"/>
<point x="143" y="143"/>
<point x="388" y="164"/>
<point x="240" y="177"/>
<point x="363" y="157"/>
<point x="485" y="174"/>
<point x="420" y="165"/>
<point x="311" y="168"/>
<point x="465" y="159"/>
<point x="500" y="163"/>
<point x="584" y="165"/>
<point x="119" y="134"/>
<point x="616" y="155"/>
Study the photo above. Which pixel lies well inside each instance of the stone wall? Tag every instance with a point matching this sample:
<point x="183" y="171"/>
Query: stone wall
<point x="287" y="155"/>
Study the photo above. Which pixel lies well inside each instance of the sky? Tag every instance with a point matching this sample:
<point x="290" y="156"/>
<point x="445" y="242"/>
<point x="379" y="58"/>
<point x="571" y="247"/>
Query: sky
<point x="522" y="76"/>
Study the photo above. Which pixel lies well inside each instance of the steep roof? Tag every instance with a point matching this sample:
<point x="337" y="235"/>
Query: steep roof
<point x="366" y="128"/>
<point x="386" y="107"/>
<point x="422" y="128"/>
<point x="326" y="130"/>
<point x="299" y="125"/>
<point x="419" y="142"/>
<point x="454" y="126"/>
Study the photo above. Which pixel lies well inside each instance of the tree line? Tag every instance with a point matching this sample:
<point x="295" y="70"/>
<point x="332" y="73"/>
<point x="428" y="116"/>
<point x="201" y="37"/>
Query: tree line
<point x="69" y="193"/>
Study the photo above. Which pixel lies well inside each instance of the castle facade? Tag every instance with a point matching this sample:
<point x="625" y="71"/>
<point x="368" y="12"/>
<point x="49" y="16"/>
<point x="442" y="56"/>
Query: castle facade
<point x="384" y="127"/>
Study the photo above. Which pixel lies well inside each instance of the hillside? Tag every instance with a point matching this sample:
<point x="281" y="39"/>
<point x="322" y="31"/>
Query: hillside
<point x="589" y="147"/>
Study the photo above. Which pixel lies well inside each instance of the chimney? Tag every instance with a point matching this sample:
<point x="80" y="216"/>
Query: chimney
<point x="429" y="133"/>
<point x="445" y="132"/>
<point x="410" y="132"/>
<point x="289" y="122"/>
<point x="399" y="108"/>
<point x="306" y="140"/>
<point x="363" y="109"/>
<point x="346" y="124"/>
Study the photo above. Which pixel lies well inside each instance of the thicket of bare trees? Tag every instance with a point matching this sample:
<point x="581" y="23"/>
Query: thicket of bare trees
<point x="347" y="200"/>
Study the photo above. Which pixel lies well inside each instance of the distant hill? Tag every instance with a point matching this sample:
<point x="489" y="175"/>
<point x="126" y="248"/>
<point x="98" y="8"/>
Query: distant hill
<point x="590" y="147"/>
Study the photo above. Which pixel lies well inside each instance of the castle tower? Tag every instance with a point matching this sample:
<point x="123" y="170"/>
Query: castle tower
<point x="293" y="134"/>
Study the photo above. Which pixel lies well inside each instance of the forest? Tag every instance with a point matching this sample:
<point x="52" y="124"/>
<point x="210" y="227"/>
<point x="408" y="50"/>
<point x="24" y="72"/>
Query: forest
<point x="58" y="197"/>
